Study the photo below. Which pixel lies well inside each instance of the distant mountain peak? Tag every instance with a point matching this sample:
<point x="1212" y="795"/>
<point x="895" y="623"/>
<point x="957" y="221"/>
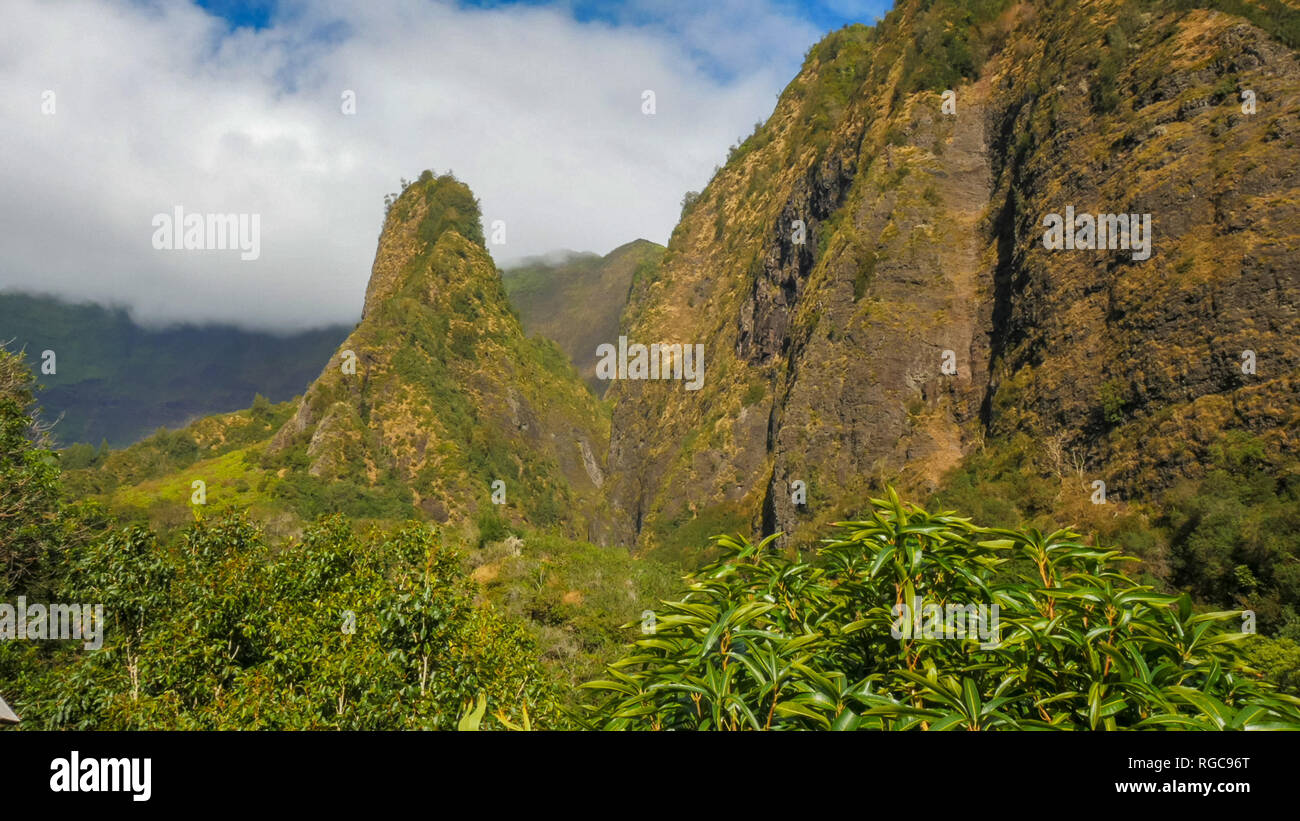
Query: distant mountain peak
<point x="578" y="300"/>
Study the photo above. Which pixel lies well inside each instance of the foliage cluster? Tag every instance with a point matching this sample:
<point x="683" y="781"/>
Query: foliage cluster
<point x="762" y="641"/>
<point x="217" y="630"/>
<point x="30" y="499"/>
<point x="1230" y="537"/>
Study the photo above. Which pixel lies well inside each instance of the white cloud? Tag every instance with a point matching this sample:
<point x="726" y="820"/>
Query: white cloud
<point x="160" y="105"/>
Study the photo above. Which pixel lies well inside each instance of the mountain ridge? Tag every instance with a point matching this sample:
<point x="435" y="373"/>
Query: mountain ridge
<point x="118" y="381"/>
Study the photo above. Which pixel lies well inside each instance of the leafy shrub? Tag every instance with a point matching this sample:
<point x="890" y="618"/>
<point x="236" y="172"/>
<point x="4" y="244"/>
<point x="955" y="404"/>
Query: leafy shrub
<point x="573" y="596"/>
<point x="29" y="478"/>
<point x="224" y="631"/>
<point x="1278" y="659"/>
<point x="491" y="527"/>
<point x="948" y="44"/>
<point x="1113" y="401"/>
<point x="1236" y="534"/>
<point x="762" y="641"/>
<point x="688" y="202"/>
<point x="311" y="498"/>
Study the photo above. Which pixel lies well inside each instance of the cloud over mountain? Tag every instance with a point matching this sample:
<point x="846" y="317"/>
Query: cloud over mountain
<point x="159" y="105"/>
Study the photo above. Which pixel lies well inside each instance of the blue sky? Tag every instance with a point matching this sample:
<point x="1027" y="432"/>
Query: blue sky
<point x="257" y="14"/>
<point x="821" y="15"/>
<point x="226" y="107"/>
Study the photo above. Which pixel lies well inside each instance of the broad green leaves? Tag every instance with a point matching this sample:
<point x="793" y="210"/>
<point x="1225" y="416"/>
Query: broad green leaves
<point x="760" y="641"/>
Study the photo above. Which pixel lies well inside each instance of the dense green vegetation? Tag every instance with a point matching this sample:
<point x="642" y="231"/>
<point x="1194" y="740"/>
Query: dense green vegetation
<point x="571" y="597"/>
<point x="951" y="43"/>
<point x="311" y="498"/>
<point x="117" y="381"/>
<point x="219" y="625"/>
<point x="762" y="641"/>
<point x="219" y="631"/>
<point x="30" y="501"/>
<point x="150" y="481"/>
<point x="448" y="205"/>
<point x="1230" y="537"/>
<point x="415" y="626"/>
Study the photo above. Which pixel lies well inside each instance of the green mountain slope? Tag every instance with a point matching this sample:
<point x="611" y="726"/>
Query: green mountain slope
<point x="434" y="398"/>
<point x="577" y="301"/>
<point x="117" y="381"/>
<point x="448" y="396"/>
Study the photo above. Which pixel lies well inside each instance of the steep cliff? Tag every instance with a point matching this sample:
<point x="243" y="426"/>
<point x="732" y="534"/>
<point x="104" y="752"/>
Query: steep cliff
<point x="869" y="274"/>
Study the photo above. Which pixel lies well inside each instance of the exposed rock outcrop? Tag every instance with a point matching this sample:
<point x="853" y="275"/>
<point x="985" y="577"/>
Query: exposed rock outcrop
<point x="922" y="314"/>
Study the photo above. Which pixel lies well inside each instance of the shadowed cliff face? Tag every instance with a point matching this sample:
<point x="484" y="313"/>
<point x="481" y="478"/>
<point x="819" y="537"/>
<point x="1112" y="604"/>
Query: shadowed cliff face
<point x="1134" y="367"/>
<point x="448" y="396"/>
<point x="869" y="277"/>
<point x="864" y="394"/>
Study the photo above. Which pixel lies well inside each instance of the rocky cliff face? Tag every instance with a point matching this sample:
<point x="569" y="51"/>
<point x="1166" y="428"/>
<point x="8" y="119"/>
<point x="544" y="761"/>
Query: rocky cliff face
<point x="869" y="276"/>
<point x="1135" y="365"/>
<point x="438" y="389"/>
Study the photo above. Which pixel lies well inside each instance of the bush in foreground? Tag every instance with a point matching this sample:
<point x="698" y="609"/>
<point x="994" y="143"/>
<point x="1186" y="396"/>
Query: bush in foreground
<point x="222" y="630"/>
<point x="765" y="642"/>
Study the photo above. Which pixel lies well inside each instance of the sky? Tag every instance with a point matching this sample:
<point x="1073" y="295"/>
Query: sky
<point x="300" y="116"/>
